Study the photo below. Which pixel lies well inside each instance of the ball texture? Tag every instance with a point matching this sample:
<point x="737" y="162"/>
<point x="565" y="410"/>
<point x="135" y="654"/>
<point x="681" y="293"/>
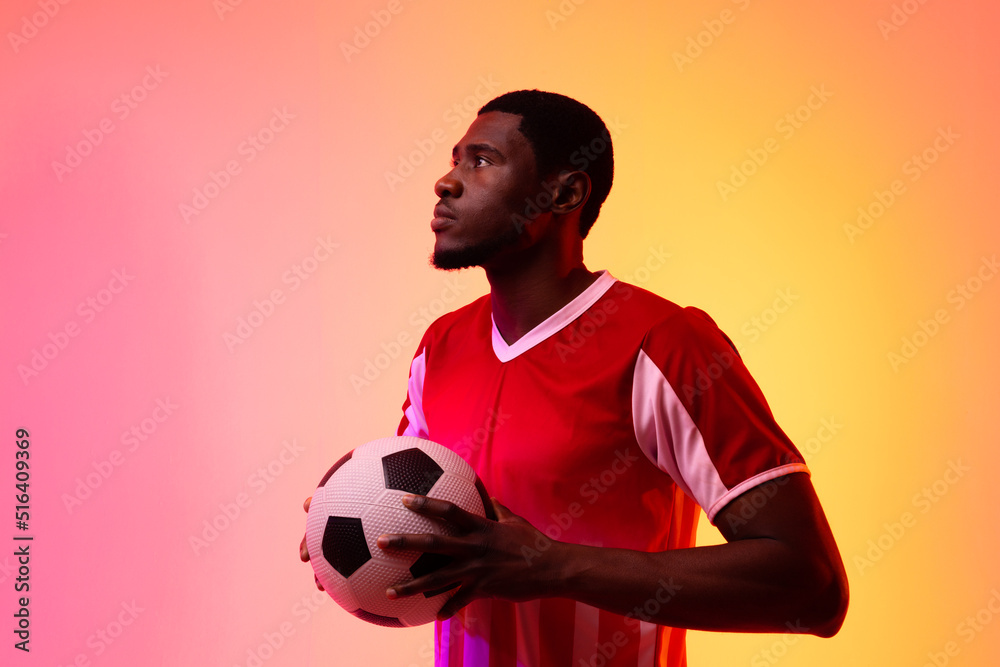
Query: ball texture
<point x="359" y="499"/>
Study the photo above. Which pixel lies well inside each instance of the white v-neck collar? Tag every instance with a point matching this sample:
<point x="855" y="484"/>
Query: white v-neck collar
<point x="555" y="322"/>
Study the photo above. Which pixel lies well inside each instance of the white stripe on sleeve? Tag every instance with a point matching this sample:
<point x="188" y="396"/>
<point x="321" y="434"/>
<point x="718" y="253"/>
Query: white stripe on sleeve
<point x="669" y="437"/>
<point x="416" y="423"/>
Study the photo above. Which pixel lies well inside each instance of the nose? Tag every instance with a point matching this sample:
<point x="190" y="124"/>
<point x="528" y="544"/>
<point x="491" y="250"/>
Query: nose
<point x="448" y="186"/>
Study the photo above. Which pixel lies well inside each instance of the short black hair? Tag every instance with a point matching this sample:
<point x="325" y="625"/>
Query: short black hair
<point x="565" y="135"/>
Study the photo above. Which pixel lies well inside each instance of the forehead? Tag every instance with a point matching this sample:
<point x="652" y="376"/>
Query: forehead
<point x="498" y="129"/>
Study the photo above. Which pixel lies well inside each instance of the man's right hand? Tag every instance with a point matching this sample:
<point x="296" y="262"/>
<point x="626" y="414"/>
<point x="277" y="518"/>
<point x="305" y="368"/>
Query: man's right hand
<point x="303" y="549"/>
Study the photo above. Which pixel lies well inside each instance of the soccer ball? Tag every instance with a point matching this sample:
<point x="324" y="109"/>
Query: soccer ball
<point x="359" y="499"/>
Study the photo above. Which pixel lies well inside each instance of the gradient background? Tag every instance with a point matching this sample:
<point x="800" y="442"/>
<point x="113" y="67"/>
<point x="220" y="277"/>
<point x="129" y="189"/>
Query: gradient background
<point x="683" y="128"/>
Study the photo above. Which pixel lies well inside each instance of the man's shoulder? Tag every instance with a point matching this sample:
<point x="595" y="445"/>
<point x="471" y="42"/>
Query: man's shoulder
<point x="662" y="319"/>
<point x="652" y="309"/>
<point x="642" y="299"/>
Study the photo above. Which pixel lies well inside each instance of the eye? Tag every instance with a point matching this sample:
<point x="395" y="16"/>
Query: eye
<point x="477" y="161"/>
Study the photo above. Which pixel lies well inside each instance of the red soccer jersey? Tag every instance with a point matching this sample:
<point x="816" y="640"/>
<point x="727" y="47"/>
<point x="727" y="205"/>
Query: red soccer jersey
<point x="608" y="424"/>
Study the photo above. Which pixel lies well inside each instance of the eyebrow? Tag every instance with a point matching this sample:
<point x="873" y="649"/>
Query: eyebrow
<point x="478" y="148"/>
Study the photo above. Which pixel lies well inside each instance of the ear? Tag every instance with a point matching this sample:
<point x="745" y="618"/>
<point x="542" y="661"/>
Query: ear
<point x="572" y="188"/>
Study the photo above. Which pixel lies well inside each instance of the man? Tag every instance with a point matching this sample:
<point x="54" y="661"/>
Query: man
<point x="602" y="416"/>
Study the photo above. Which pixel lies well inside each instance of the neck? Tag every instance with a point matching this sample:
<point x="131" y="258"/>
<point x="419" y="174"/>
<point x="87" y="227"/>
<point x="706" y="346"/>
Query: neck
<point x="526" y="291"/>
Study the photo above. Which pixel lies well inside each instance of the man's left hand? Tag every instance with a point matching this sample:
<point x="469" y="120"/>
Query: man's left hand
<point x="498" y="559"/>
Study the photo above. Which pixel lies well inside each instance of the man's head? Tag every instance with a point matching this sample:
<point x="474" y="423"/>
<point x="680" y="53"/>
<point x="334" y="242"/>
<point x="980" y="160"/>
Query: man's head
<point x="528" y="158"/>
<point x="565" y="135"/>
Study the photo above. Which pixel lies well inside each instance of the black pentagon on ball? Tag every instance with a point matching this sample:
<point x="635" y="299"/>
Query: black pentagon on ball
<point x="485" y="497"/>
<point x="384" y="621"/>
<point x="426" y="564"/>
<point x="344" y="544"/>
<point x="410" y="470"/>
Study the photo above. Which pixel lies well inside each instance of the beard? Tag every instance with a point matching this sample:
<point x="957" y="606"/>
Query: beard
<point x="475" y="254"/>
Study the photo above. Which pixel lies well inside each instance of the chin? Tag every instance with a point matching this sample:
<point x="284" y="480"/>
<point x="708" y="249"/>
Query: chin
<point x="453" y="259"/>
<point x="474" y="254"/>
<point x="453" y="256"/>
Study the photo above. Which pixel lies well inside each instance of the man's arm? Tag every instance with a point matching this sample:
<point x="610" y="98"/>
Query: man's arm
<point x="780" y="570"/>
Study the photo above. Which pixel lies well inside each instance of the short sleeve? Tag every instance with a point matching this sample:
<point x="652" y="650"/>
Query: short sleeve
<point x="701" y="418"/>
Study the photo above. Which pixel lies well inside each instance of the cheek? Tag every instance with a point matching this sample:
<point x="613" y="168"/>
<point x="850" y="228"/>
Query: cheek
<point x="517" y="200"/>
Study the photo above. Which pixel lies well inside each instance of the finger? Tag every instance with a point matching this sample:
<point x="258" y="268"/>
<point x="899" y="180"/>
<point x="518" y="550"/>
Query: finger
<point x="427" y="542"/>
<point x="463" y="597"/>
<point x="318" y="585"/>
<point x="303" y="550"/>
<point x="434" y="583"/>
<point x="442" y="509"/>
<point x="306" y="504"/>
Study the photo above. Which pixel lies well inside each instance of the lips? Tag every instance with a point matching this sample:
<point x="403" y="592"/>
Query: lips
<point x="442" y="217"/>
